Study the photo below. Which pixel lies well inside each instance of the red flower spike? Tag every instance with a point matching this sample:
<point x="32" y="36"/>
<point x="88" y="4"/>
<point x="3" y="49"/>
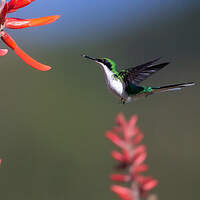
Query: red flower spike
<point x="115" y="139"/>
<point x="149" y="185"/>
<point x="15" y="23"/>
<point x="138" y="138"/>
<point x="120" y="177"/>
<point x="127" y="154"/>
<point x="120" y="120"/>
<point x="117" y="156"/>
<point x="139" y="149"/>
<point x="123" y="192"/>
<point x="133" y="121"/>
<point x="139" y="169"/>
<point x="14" y="5"/>
<point x="117" y="129"/>
<point x="131" y="160"/>
<point x="139" y="159"/>
<point x="26" y="58"/>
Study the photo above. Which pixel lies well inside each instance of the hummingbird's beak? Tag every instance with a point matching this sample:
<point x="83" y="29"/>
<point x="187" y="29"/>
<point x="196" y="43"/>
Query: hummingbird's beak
<point x="88" y="57"/>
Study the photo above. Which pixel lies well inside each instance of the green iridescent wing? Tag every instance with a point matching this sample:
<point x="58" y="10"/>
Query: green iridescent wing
<point x="136" y="75"/>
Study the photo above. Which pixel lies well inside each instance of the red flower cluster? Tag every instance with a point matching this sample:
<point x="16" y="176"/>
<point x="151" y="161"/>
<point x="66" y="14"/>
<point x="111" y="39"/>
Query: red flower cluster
<point x="127" y="136"/>
<point x="16" y="23"/>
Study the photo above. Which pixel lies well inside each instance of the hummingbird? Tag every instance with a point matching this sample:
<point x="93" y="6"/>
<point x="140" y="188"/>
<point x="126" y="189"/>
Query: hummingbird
<point x="125" y="83"/>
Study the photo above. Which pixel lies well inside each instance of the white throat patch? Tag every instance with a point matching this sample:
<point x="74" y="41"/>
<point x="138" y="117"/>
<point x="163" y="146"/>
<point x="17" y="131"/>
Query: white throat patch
<point x="113" y="83"/>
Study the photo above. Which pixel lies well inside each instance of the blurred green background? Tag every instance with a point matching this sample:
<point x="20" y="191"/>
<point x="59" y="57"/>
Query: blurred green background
<point x="52" y="123"/>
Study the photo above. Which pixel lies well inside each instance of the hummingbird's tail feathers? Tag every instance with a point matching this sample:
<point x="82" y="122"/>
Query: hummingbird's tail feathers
<point x="174" y="87"/>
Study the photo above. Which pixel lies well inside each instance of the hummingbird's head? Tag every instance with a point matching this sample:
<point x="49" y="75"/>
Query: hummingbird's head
<point x="105" y="62"/>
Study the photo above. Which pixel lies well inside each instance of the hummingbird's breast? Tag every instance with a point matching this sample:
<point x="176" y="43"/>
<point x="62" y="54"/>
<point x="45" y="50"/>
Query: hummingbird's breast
<point x="114" y="83"/>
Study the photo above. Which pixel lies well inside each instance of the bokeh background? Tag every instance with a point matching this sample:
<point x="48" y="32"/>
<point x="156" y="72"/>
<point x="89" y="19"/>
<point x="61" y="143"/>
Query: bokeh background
<point x="52" y="137"/>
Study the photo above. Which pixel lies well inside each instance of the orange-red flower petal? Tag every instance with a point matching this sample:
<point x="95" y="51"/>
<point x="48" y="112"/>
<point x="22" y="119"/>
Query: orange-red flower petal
<point x="26" y="58"/>
<point x="16" y="23"/>
<point x="3" y="13"/>
<point x="3" y="52"/>
<point x="13" y="5"/>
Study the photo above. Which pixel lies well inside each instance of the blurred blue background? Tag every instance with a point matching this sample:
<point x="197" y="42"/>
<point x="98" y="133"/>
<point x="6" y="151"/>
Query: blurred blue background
<point x="52" y="124"/>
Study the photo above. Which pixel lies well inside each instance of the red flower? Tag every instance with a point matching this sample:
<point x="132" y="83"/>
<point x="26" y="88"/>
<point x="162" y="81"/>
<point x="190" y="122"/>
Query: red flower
<point x="15" y="23"/>
<point x="123" y="192"/>
<point x="131" y="158"/>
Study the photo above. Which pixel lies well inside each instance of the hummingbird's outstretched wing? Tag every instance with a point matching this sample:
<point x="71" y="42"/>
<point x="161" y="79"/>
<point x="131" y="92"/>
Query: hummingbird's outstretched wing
<point x="139" y="73"/>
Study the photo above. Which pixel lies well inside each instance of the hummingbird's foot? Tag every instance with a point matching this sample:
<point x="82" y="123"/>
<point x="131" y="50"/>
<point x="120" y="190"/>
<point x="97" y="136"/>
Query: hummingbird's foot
<point x="123" y="101"/>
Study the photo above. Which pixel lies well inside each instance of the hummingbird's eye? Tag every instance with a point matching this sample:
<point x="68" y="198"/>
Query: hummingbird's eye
<point x="106" y="62"/>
